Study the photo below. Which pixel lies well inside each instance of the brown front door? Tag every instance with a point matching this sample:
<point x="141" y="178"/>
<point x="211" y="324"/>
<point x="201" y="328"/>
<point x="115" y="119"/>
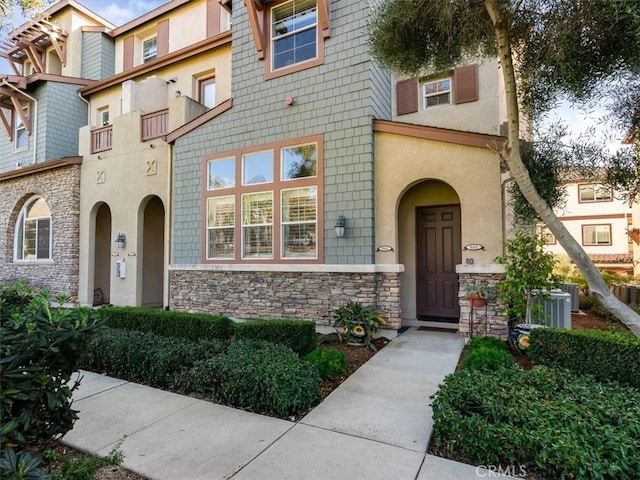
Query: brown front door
<point x="439" y="251"/>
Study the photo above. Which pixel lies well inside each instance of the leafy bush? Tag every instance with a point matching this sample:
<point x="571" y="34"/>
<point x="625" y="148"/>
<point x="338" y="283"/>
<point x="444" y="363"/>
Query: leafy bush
<point x="193" y="326"/>
<point x="262" y="376"/>
<point x="548" y="421"/>
<point x="145" y="357"/>
<point x="85" y="467"/>
<point x="587" y="302"/>
<point x="298" y="335"/>
<point x="24" y="465"/>
<point x="357" y="323"/>
<point x="330" y="363"/>
<point x="489" y="342"/>
<point x="41" y="347"/>
<point x="486" y="358"/>
<point x="606" y="355"/>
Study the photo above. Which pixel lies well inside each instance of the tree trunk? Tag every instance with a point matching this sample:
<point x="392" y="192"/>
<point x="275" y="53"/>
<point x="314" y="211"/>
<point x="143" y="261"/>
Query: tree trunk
<point x="511" y="154"/>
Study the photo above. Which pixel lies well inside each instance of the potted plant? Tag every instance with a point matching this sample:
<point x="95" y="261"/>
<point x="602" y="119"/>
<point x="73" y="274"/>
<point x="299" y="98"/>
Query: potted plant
<point x="357" y="323"/>
<point x="477" y="294"/>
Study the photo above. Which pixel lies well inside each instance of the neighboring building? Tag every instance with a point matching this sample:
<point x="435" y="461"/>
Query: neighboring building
<point x="312" y="141"/>
<point x="40" y="114"/>
<point x="600" y="222"/>
<point x="171" y="65"/>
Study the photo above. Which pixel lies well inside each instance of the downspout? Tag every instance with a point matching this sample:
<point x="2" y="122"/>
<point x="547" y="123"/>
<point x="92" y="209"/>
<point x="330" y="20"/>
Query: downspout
<point x="88" y="107"/>
<point x="34" y="123"/>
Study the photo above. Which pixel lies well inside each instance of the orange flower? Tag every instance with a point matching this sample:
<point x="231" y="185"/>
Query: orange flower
<point x="523" y="341"/>
<point x="358" y="330"/>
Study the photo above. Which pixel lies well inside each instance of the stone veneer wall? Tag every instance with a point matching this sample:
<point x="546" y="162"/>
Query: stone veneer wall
<point x="304" y="295"/>
<point x="60" y="187"/>
<point x="488" y="320"/>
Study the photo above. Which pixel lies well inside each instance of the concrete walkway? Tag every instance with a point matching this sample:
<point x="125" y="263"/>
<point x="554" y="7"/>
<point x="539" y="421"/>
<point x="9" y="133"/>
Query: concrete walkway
<point x="376" y="425"/>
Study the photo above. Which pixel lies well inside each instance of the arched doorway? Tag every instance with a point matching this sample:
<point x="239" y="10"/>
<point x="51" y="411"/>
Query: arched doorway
<point x="102" y="256"/>
<point x="153" y="252"/>
<point x="429" y="227"/>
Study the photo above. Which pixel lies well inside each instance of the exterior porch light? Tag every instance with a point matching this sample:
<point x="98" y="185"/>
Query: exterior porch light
<point x="340" y="224"/>
<point x="121" y="239"/>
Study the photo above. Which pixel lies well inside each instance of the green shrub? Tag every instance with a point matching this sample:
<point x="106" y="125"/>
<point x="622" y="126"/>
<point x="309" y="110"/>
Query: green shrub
<point x="489" y="342"/>
<point x="14" y="298"/>
<point x="330" y="363"/>
<point x="146" y="357"/>
<point x="486" y="358"/>
<point x="86" y="466"/>
<point x="264" y="377"/>
<point x="608" y="356"/>
<point x="40" y="349"/>
<point x="298" y="335"/>
<point x="23" y="465"/>
<point x="587" y="302"/>
<point x="193" y="326"/>
<point x="550" y="422"/>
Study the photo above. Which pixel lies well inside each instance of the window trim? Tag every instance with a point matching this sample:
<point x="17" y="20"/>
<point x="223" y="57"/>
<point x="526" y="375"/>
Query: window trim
<point x="296" y="67"/>
<point x="21" y="219"/>
<point x="437" y="80"/>
<point x="275" y="187"/>
<point x="597" y="244"/>
<point x="595" y="200"/>
<point x="16" y="119"/>
<point x="202" y="83"/>
<point x="145" y="40"/>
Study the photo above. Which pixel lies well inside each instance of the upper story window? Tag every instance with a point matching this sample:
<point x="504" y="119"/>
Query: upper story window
<point x="207" y="92"/>
<point x="33" y="231"/>
<point x="596" y="235"/>
<point x="271" y="212"/>
<point x="294" y="36"/>
<point x="594" y="192"/>
<point x="103" y="116"/>
<point x="437" y="92"/>
<point x="149" y="49"/>
<point x="21" y="135"/>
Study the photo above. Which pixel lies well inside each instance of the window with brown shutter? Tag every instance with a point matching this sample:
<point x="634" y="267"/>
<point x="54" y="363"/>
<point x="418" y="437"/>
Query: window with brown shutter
<point x="465" y="81"/>
<point x="407" y="96"/>
<point x="128" y="53"/>
<point x="163" y="38"/>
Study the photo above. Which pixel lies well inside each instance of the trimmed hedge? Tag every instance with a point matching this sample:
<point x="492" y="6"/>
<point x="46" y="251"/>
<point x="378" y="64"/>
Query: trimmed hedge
<point x="606" y="355"/>
<point x="298" y="335"/>
<point x="146" y="357"/>
<point x="546" y="421"/>
<point x="194" y="326"/>
<point x="261" y="376"/>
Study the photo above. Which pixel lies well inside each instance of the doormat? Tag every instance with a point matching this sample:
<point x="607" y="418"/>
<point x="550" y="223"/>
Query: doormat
<point x="403" y="329"/>
<point x="437" y="329"/>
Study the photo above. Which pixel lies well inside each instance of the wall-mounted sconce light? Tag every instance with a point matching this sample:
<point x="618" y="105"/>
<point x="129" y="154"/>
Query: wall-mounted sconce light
<point x="340" y="224"/>
<point x="121" y="239"/>
<point x="178" y="93"/>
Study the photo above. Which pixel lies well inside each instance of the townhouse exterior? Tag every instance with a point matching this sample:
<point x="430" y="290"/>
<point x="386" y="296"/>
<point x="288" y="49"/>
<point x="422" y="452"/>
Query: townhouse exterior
<point x="250" y="158"/>
<point x="600" y="221"/>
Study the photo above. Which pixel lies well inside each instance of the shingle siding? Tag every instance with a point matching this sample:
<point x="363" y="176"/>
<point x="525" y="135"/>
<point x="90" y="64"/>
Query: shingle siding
<point x="98" y="55"/>
<point x="337" y="99"/>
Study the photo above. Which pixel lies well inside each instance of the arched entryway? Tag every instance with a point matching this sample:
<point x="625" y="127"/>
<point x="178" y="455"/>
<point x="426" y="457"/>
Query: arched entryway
<point x="102" y="255"/>
<point x="152" y="252"/>
<point x="429" y="227"/>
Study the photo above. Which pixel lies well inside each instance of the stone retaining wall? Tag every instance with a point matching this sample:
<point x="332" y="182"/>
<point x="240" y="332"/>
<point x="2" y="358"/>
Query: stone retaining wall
<point x="301" y="295"/>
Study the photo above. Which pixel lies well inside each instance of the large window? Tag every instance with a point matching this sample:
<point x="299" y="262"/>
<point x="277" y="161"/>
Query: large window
<point x="437" y="92"/>
<point x="262" y="204"/>
<point x="33" y="231"/>
<point x="596" y="235"/>
<point x="294" y="36"/>
<point x="594" y="192"/>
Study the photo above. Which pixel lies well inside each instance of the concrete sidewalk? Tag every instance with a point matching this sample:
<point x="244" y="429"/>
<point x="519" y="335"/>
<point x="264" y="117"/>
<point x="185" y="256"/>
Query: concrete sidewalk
<point x="376" y="425"/>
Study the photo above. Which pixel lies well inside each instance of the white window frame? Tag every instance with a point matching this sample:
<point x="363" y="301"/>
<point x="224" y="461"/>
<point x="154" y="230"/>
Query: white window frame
<point x="273" y="38"/>
<point x="149" y="58"/>
<point x="595" y="188"/>
<point x="284" y="224"/>
<point x="213" y="228"/>
<point x="19" y="243"/>
<point x="20" y="127"/>
<point x="437" y="82"/>
<point x="246" y="225"/>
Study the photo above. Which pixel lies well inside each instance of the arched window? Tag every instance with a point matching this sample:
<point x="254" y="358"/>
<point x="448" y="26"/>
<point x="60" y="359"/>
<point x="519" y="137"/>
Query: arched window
<point x="33" y="231"/>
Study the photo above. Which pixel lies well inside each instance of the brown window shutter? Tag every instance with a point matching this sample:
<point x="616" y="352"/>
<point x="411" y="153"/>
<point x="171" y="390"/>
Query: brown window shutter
<point x="213" y="18"/>
<point x="163" y="38"/>
<point x="128" y="53"/>
<point x="465" y="80"/>
<point x="407" y="96"/>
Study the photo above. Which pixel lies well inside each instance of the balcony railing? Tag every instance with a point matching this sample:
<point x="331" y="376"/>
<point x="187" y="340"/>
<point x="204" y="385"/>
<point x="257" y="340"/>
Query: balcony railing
<point x="155" y="124"/>
<point x="101" y="139"/>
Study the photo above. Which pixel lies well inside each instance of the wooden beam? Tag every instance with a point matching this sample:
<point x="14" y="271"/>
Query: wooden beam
<point x="256" y="27"/>
<point x="33" y="53"/>
<point x="11" y="62"/>
<point x="61" y="50"/>
<point x="18" y="108"/>
<point x="7" y="127"/>
<point x="323" y="17"/>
